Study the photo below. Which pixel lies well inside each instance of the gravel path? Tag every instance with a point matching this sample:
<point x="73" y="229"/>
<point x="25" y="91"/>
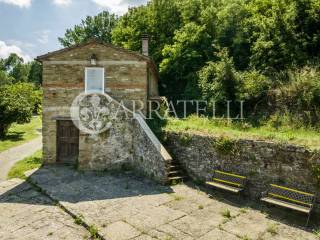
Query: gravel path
<point x="9" y="157"/>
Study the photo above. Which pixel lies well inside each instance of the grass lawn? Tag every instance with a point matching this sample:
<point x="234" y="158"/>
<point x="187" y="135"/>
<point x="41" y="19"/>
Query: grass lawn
<point x="21" y="133"/>
<point x="28" y="163"/>
<point x="302" y="137"/>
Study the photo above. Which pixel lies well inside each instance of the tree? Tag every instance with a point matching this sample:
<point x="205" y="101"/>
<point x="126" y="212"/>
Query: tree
<point x="16" y="69"/>
<point x="35" y="73"/>
<point x="16" y="105"/>
<point x="283" y="33"/>
<point x="99" y="27"/>
<point x="192" y="47"/>
<point x="5" y="79"/>
<point x="159" y="18"/>
<point x="219" y="80"/>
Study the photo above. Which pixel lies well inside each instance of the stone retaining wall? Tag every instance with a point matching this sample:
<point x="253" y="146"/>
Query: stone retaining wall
<point x="149" y="156"/>
<point x="262" y="162"/>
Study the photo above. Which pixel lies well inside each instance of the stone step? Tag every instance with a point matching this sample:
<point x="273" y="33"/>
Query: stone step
<point x="174" y="173"/>
<point x="174" y="167"/>
<point x="177" y="178"/>
<point x="174" y="162"/>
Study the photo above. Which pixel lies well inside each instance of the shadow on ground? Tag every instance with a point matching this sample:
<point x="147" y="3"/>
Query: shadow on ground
<point x="117" y="201"/>
<point x="68" y="185"/>
<point x="285" y="216"/>
<point x="13" y="136"/>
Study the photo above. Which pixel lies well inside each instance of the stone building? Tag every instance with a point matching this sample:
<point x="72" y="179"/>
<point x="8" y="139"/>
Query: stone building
<point x="123" y="76"/>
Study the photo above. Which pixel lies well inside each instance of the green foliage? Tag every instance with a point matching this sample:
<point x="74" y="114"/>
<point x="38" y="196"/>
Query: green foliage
<point x="226" y="213"/>
<point x="218" y="80"/>
<point x="29" y="163"/>
<point x="20" y="133"/>
<point x="253" y="51"/>
<point x="16" y="105"/>
<point x="224" y="145"/>
<point x="282" y="32"/>
<point x="190" y="50"/>
<point x="253" y="85"/>
<point x="297" y="100"/>
<point x="176" y="197"/>
<point x="160" y="19"/>
<point x="13" y="70"/>
<point x="35" y="74"/>
<point x="5" y="79"/>
<point x="38" y="94"/>
<point x="98" y="27"/>
<point x="78" y="220"/>
<point x="230" y="129"/>
<point x="272" y="229"/>
<point x="185" y="139"/>
<point x="94" y="232"/>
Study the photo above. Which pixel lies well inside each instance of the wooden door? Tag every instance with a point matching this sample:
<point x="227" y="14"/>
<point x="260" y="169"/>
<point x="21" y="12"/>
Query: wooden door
<point x="67" y="142"/>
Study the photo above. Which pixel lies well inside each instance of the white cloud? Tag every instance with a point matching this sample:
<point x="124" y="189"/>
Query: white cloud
<point x="62" y="2"/>
<point x="6" y="50"/>
<point x="43" y="36"/>
<point x="20" y="44"/>
<point x="118" y="6"/>
<point x="19" y="3"/>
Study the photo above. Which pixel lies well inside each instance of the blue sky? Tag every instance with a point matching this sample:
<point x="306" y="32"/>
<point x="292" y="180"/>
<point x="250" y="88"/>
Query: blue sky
<point x="32" y="27"/>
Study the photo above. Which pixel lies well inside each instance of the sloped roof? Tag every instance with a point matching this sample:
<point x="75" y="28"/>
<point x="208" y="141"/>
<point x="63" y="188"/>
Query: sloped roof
<point x="96" y="41"/>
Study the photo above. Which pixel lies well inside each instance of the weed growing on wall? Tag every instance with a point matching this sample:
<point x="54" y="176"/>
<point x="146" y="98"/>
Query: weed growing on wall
<point x="225" y="145"/>
<point x="185" y="139"/>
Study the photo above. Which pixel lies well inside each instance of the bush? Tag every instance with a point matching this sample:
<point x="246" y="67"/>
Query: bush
<point x="16" y="105"/>
<point x="298" y="99"/>
<point x="218" y="81"/>
<point x="38" y="101"/>
<point x="253" y="85"/>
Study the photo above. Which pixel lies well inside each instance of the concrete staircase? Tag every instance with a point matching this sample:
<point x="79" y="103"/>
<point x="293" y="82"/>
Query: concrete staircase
<point x="176" y="173"/>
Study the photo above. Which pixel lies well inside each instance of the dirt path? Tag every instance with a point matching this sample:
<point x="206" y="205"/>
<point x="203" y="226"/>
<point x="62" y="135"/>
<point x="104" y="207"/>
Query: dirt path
<point x="9" y="157"/>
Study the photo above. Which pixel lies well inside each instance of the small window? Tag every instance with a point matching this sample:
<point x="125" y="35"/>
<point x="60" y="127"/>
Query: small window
<point x="94" y="80"/>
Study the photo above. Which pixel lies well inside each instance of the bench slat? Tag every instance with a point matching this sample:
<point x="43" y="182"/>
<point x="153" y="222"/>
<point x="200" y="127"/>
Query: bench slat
<point x="287" y="205"/>
<point x="227" y="182"/>
<point x="292" y="190"/>
<point x="225" y="187"/>
<point x="291" y="195"/>
<point x="289" y="199"/>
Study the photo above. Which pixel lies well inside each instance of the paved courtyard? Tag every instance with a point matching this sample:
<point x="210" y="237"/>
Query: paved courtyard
<point x="122" y="206"/>
<point x="28" y="214"/>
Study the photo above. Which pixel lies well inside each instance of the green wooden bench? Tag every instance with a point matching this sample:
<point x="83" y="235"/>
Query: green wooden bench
<point x="290" y="198"/>
<point x="227" y="181"/>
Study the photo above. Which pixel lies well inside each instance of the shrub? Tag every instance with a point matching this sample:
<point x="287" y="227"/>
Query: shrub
<point x="253" y="85"/>
<point x="16" y="105"/>
<point x="224" y="145"/>
<point x="272" y="229"/>
<point x="185" y="139"/>
<point x="218" y="81"/>
<point x="226" y="213"/>
<point x="298" y="98"/>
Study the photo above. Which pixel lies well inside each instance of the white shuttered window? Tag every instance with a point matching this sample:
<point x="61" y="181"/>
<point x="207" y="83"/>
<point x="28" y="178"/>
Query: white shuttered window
<point x="94" y="80"/>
